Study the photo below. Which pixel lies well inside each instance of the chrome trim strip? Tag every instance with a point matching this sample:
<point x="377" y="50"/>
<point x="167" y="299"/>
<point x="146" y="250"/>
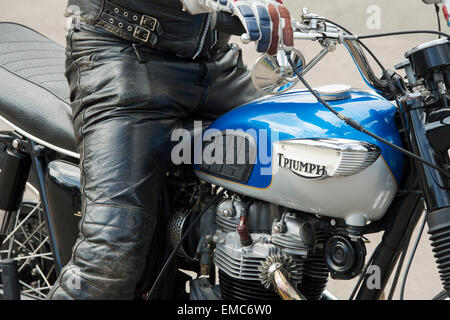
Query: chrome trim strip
<point x="355" y="155"/>
<point x="39" y="141"/>
<point x="332" y="143"/>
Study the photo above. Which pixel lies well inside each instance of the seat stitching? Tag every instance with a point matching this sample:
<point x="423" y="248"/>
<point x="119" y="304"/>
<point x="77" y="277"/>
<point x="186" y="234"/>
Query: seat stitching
<point x="46" y="66"/>
<point x="2" y="53"/>
<point x="44" y="74"/>
<point x="16" y="25"/>
<point x="50" y="81"/>
<point x="28" y="59"/>
<point x="32" y="41"/>
<point x="17" y="75"/>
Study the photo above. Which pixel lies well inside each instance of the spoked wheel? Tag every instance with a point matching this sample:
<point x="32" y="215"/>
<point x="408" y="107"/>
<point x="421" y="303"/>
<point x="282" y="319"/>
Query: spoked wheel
<point x="28" y="243"/>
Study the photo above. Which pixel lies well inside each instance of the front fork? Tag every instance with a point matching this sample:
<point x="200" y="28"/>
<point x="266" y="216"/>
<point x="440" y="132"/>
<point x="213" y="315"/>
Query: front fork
<point x="17" y="157"/>
<point x="15" y="168"/>
<point x="431" y="141"/>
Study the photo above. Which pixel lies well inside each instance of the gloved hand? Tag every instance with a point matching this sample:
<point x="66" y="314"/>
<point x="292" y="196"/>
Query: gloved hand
<point x="267" y="22"/>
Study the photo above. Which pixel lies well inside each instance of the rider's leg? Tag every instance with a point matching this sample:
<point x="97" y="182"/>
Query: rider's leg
<point x="228" y="88"/>
<point x="124" y="111"/>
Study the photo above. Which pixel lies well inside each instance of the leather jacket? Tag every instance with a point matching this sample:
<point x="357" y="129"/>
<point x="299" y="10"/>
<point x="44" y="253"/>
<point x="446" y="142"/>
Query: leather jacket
<point x="187" y="36"/>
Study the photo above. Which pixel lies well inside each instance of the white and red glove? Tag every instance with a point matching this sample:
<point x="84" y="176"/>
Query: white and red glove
<point x="267" y="22"/>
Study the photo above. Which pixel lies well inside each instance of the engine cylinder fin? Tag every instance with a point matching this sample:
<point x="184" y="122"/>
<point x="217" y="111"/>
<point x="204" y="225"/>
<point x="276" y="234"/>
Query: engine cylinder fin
<point x="315" y="273"/>
<point x="227" y="224"/>
<point x="245" y="268"/>
<point x="236" y="289"/>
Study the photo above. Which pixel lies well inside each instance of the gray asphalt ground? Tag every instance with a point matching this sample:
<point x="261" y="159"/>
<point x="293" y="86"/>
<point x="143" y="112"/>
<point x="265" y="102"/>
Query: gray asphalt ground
<point x="46" y="16"/>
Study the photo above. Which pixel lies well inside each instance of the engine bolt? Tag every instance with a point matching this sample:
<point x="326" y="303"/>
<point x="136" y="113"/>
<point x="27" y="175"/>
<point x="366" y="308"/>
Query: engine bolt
<point x="279" y="228"/>
<point x="228" y="213"/>
<point x="16" y="143"/>
<point x="333" y="222"/>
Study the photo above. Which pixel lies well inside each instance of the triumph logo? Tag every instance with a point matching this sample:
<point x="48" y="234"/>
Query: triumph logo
<point x="302" y="169"/>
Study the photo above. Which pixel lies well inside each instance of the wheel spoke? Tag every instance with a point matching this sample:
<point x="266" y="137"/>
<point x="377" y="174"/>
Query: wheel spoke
<point x="43" y="276"/>
<point x="31" y="289"/>
<point x="34" y="252"/>
<point x="32" y="234"/>
<point x="50" y="271"/>
<point x="20" y="224"/>
<point x="28" y="237"/>
<point x="44" y="255"/>
<point x="25" y="234"/>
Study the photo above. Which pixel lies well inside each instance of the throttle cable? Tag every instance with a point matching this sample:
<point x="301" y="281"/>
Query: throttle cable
<point x="397" y="33"/>
<point x="359" y="42"/>
<point x="357" y="126"/>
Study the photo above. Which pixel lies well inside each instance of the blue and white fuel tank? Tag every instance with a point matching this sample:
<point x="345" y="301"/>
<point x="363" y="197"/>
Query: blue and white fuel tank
<point x="290" y="150"/>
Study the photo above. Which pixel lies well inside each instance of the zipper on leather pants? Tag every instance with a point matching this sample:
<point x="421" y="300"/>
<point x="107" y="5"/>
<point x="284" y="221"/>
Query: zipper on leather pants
<point x="203" y="36"/>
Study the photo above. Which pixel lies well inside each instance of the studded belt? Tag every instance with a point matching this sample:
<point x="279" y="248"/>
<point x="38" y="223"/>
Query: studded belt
<point x="129" y="24"/>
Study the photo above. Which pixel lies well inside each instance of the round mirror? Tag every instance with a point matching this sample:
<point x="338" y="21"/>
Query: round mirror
<point x="274" y="75"/>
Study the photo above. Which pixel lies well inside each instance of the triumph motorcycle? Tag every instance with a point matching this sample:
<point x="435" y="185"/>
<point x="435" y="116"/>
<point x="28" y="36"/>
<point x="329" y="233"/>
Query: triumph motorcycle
<point x="340" y="163"/>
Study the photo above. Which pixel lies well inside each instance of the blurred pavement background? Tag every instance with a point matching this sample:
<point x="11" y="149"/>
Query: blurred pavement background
<point x="360" y="17"/>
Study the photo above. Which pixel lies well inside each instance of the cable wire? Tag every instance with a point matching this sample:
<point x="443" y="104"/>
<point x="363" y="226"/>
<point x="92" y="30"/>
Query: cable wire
<point x="357" y="126"/>
<point x="397" y="274"/>
<point x="397" y="33"/>
<point x="360" y="42"/>
<point x="411" y="257"/>
<point x="436" y="6"/>
<point x="175" y="250"/>
<point x="404" y="250"/>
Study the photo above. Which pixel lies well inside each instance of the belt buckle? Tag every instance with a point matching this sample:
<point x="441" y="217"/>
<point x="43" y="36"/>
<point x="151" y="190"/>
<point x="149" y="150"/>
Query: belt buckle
<point x="149" y="21"/>
<point x="142" y="33"/>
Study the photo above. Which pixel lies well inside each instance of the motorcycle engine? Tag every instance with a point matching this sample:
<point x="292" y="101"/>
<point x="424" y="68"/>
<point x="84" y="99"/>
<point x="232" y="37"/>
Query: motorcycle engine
<point x="249" y="233"/>
<point x="244" y="238"/>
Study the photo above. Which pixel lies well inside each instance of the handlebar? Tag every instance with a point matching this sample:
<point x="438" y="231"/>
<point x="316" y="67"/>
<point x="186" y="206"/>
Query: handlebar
<point x="314" y="28"/>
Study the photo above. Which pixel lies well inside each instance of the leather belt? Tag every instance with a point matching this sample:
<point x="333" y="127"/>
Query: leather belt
<point x="128" y="24"/>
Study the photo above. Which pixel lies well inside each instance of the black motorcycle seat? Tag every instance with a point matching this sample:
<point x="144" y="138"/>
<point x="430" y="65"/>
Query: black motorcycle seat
<point x="34" y="94"/>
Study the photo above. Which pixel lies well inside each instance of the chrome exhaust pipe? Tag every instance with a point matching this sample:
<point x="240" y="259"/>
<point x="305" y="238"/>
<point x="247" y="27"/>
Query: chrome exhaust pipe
<point x="284" y="288"/>
<point x="275" y="274"/>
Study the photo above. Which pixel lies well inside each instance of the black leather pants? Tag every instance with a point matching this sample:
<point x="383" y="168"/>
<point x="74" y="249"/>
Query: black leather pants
<point x="124" y="111"/>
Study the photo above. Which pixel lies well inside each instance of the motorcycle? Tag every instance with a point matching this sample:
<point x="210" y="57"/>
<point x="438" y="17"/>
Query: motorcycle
<point x="283" y="200"/>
